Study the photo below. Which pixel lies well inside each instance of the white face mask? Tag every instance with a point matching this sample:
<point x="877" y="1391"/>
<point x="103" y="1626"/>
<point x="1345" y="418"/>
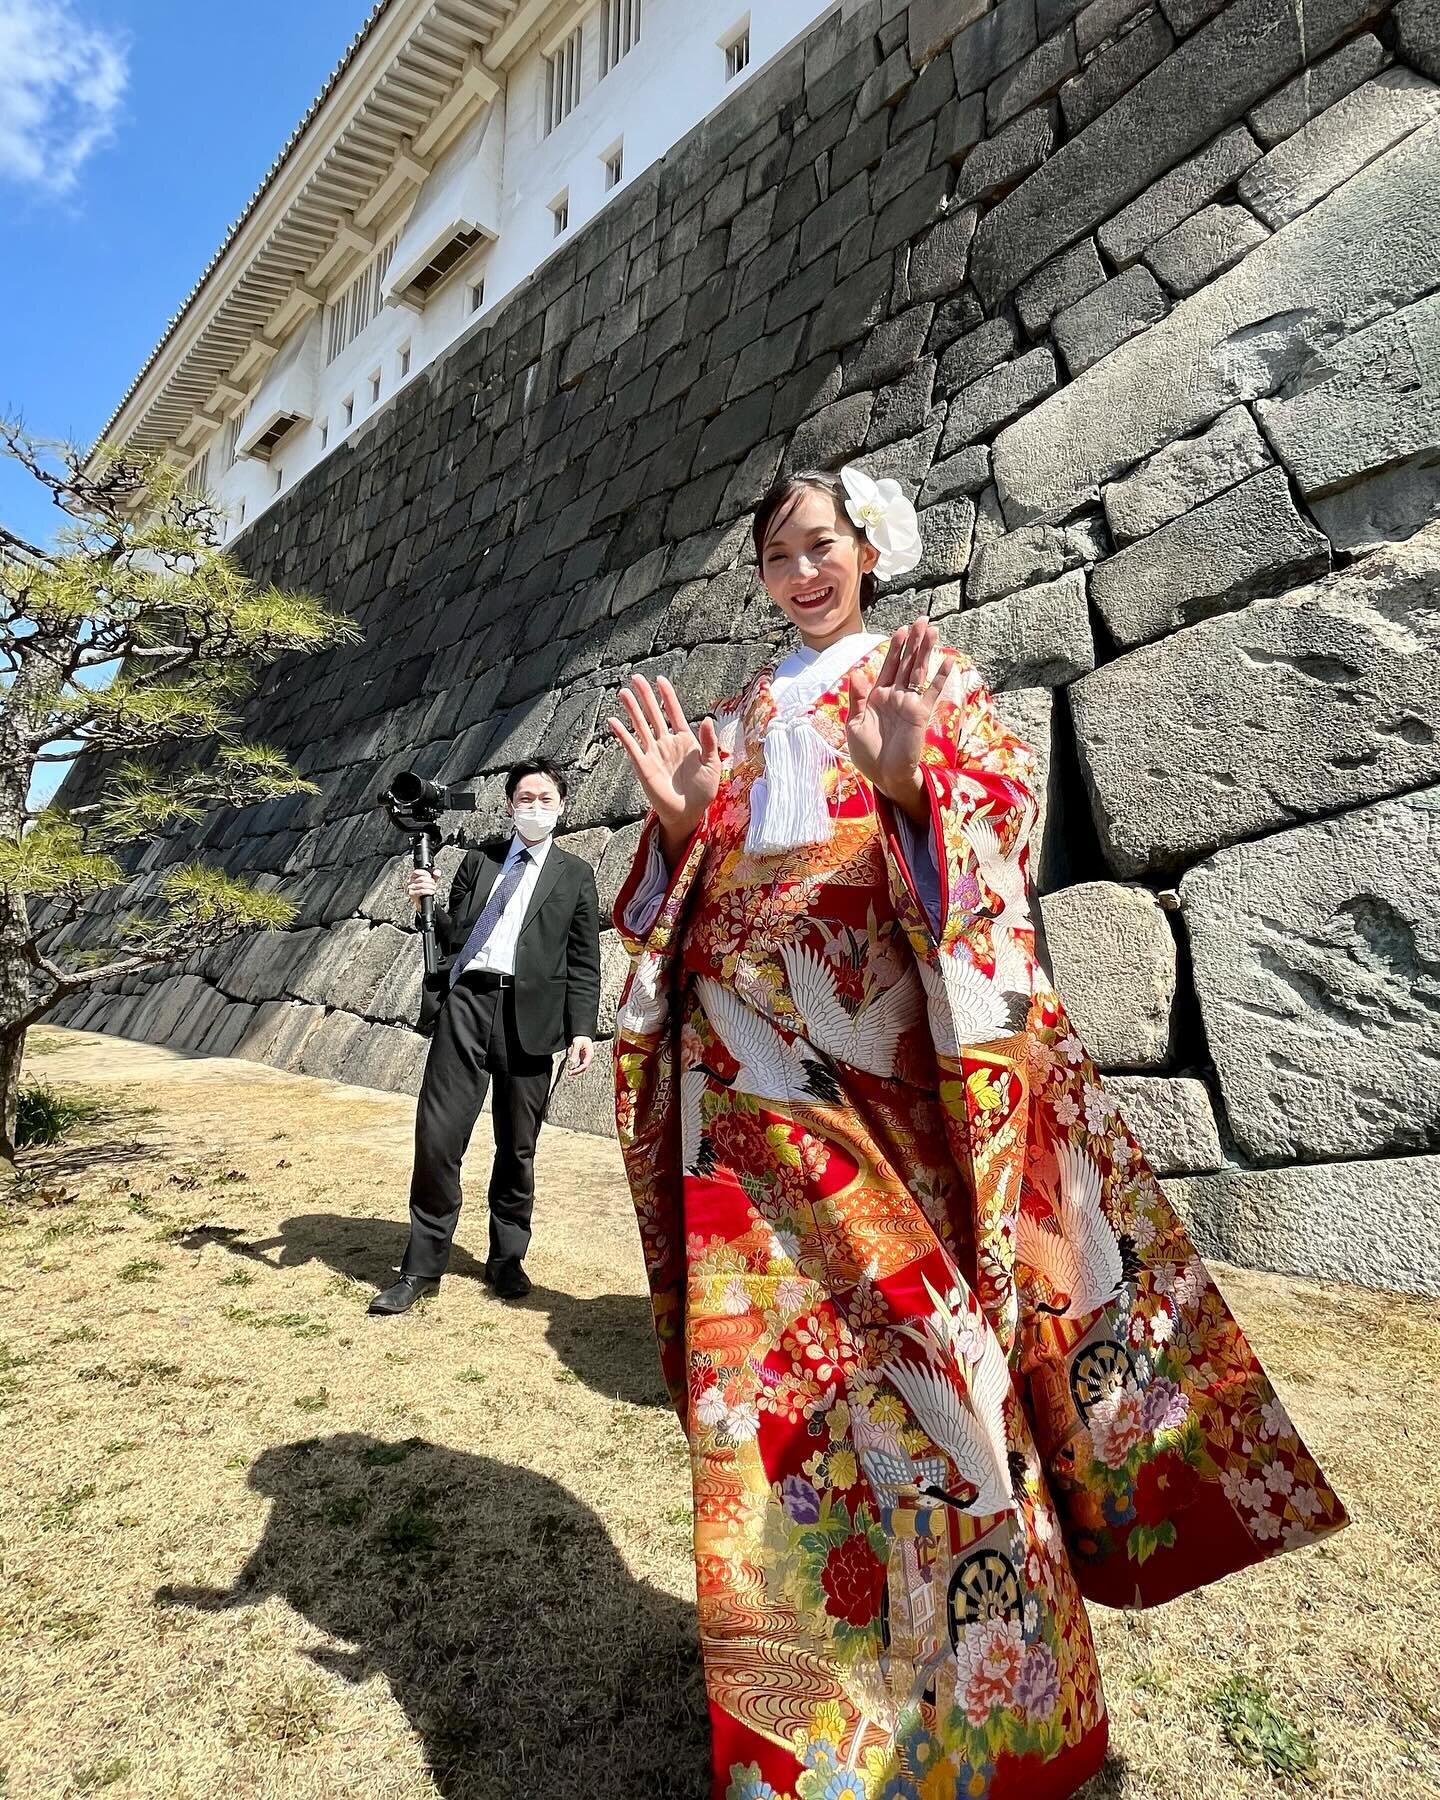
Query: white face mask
<point x="534" y="821"/>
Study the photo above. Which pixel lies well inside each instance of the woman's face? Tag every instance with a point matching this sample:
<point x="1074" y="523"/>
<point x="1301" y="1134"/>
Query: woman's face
<point x="812" y="565"/>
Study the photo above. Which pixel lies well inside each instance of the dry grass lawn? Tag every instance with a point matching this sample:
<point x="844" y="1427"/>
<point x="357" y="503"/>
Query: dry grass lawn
<point x="255" y="1543"/>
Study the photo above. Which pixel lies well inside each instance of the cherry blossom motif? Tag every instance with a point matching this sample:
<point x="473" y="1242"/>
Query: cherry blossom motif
<point x="1274" y="1420"/>
<point x="1253" y="1494"/>
<point x="989" y="1659"/>
<point x="1306" y="1502"/>
<point x="1266" y="1526"/>
<point x="1279" y="1478"/>
<point x="1067" y="1111"/>
<point x="1097" y="1109"/>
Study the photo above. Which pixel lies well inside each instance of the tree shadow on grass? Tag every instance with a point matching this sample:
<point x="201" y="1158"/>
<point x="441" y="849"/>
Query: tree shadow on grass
<point x="527" y="1657"/>
<point x="608" y="1341"/>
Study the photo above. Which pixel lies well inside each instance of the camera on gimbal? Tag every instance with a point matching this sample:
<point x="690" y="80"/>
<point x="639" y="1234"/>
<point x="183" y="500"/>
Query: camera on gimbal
<point x="415" y="806"/>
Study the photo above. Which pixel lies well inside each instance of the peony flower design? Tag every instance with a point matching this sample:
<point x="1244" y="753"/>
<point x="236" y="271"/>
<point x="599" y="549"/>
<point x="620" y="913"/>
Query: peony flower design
<point x="1037" y="1687"/>
<point x="989" y="1658"/>
<point x="852" y="1578"/>
<point x="881" y="511"/>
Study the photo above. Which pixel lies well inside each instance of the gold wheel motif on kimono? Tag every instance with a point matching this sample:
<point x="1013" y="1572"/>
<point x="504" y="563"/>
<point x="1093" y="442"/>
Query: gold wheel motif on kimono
<point x="984" y="1586"/>
<point x="1097" y="1372"/>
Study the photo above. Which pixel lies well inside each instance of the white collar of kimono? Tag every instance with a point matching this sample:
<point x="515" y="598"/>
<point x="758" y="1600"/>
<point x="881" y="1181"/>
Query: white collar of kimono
<point x="804" y="675"/>
<point x="789" y="807"/>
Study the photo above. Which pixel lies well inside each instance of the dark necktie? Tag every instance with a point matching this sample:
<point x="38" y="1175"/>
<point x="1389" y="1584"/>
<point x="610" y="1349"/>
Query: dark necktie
<point x="501" y="895"/>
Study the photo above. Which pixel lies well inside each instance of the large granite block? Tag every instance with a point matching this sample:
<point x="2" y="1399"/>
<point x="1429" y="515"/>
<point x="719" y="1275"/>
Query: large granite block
<point x="1184" y="475"/>
<point x="1363" y="403"/>
<point x="1172" y="1121"/>
<point x="1239" y="339"/>
<point x="1039" y="638"/>
<point x="1384" y="508"/>
<point x="1206" y="84"/>
<point x="1038" y="76"/>
<point x="1109" y="317"/>
<point x="1112" y="956"/>
<point x="1317" y="962"/>
<point x="1321" y="700"/>
<point x="1417" y="34"/>
<point x="1033" y="554"/>
<point x="1115" y="71"/>
<point x="1372" y="1223"/>
<point x="999" y="396"/>
<point x="1317" y="88"/>
<point x="1203" y="247"/>
<point x="1337" y="144"/>
<point x="1058" y="285"/>
<point x="999" y="162"/>
<point x="1249" y="542"/>
<point x="1178" y="195"/>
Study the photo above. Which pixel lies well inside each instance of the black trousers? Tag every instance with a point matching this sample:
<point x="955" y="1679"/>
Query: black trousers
<point x="475" y="1043"/>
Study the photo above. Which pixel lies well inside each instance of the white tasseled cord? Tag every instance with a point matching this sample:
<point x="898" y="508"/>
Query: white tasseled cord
<point x="788" y="803"/>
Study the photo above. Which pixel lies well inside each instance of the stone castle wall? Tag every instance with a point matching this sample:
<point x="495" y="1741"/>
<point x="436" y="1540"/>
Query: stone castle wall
<point x="1142" y="302"/>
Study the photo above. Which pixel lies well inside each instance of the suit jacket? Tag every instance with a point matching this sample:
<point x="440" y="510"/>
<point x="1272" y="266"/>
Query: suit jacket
<point x="557" y="960"/>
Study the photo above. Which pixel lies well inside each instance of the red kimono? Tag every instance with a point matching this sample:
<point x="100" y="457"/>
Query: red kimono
<point x="948" y="1364"/>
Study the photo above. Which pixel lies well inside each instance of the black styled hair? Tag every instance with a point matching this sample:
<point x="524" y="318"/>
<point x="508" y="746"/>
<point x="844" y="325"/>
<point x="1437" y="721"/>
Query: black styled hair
<point x="535" y="765"/>
<point x="782" y="500"/>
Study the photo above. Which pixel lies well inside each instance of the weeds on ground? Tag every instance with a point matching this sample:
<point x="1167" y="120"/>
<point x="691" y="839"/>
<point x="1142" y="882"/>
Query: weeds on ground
<point x="97" y="1775"/>
<point x="139" y="1269"/>
<point x="44" y="1115"/>
<point x="294" y="1715"/>
<point x="57" y="1515"/>
<point x="1260" y="1736"/>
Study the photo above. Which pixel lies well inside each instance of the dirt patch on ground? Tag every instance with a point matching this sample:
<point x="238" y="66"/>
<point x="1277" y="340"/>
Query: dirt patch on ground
<point x="257" y="1543"/>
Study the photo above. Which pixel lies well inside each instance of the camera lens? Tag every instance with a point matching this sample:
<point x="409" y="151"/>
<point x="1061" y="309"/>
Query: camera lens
<point x="410" y="789"/>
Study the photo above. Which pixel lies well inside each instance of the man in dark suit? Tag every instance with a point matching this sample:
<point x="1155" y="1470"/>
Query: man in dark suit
<point x="519" y="979"/>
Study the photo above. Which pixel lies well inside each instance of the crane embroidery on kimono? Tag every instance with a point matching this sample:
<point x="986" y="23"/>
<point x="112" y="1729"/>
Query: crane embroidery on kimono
<point x="1081" y="1257"/>
<point x="970" y="1427"/>
<point x="868" y="1040"/>
<point x="771" y="1067"/>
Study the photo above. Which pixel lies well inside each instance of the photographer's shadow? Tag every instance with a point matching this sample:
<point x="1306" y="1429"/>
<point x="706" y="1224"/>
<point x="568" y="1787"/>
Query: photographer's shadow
<point x="526" y="1656"/>
<point x="608" y="1341"/>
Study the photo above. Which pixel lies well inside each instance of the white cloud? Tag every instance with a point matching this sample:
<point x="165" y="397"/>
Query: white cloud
<point x="61" y="83"/>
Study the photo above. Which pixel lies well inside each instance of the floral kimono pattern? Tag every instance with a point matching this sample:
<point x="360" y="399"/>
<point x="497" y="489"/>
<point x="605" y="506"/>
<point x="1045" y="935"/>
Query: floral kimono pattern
<point x="947" y="1362"/>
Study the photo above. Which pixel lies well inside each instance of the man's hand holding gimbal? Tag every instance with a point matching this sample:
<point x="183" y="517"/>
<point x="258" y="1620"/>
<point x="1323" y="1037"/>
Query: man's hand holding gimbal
<point x="421" y="886"/>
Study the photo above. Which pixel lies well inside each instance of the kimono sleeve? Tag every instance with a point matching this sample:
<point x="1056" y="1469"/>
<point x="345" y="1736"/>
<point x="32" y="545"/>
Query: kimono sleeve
<point x="1170" y="1458"/>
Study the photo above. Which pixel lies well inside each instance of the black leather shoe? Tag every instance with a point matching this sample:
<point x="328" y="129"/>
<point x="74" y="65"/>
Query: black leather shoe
<point x="508" y="1278"/>
<point x="406" y="1291"/>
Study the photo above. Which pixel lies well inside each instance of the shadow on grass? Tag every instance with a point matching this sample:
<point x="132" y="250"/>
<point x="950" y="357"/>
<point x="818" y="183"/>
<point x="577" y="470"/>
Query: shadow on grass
<point x="526" y="1656"/>
<point x="608" y="1341"/>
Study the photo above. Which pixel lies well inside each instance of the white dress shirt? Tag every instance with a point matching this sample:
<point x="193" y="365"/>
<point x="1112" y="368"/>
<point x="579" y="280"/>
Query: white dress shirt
<point x="497" y="955"/>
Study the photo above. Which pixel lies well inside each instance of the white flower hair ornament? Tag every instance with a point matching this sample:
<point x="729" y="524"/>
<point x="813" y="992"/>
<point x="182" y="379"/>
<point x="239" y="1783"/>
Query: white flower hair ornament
<point x="881" y="511"/>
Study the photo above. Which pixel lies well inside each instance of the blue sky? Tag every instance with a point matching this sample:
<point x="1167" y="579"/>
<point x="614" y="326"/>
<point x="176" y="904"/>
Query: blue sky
<point x="132" y="133"/>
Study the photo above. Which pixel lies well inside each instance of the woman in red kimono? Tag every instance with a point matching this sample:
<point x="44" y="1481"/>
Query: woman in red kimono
<point x="948" y="1363"/>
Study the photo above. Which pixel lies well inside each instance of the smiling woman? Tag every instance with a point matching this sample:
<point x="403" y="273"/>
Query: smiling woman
<point x="948" y="1362"/>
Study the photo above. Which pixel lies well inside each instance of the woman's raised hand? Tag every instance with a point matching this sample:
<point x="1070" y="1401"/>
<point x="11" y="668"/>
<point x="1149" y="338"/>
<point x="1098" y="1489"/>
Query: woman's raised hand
<point x="678" y="767"/>
<point x="890" y="716"/>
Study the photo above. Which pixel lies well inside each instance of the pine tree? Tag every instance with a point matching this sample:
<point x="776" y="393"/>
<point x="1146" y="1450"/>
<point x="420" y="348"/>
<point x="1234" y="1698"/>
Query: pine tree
<point x="131" y="637"/>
